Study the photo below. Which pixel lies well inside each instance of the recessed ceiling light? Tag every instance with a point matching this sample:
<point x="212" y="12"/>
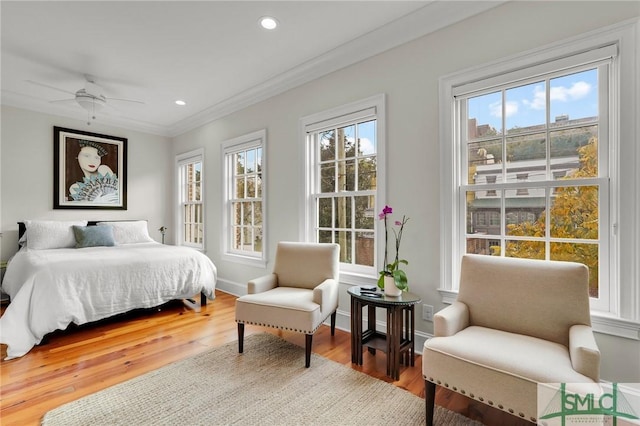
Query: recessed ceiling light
<point x="268" y="23"/>
<point x="181" y="103"/>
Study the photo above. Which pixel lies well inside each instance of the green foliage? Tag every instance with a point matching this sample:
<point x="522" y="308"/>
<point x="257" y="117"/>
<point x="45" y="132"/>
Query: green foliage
<point x="574" y="215"/>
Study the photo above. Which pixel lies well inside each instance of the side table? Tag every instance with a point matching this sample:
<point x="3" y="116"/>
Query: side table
<point x="398" y="342"/>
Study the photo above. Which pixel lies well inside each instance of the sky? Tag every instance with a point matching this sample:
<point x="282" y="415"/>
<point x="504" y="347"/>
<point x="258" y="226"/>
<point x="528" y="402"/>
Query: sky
<point x="575" y="95"/>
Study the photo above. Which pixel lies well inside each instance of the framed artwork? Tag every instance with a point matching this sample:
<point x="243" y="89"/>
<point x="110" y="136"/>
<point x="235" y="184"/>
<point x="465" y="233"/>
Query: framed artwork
<point x="89" y="170"/>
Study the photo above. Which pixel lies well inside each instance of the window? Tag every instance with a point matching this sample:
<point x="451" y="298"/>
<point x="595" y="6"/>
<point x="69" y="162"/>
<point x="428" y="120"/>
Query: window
<point x="344" y="150"/>
<point x="553" y="126"/>
<point x="529" y="142"/>
<point x="244" y="198"/>
<point x="190" y="199"/>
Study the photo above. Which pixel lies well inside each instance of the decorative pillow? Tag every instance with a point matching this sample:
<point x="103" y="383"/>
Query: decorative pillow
<point x="51" y="234"/>
<point x="94" y="236"/>
<point x="129" y="232"/>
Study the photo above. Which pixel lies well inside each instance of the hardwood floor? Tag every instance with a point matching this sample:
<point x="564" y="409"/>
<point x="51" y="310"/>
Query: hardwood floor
<point x="86" y="359"/>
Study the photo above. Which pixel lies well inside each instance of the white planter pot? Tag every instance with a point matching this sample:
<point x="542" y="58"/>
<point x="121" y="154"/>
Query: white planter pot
<point x="390" y="288"/>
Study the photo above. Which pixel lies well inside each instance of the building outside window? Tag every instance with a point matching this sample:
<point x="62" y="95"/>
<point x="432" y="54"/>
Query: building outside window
<point x="344" y="154"/>
<point x="190" y="179"/>
<point x="244" y="198"/>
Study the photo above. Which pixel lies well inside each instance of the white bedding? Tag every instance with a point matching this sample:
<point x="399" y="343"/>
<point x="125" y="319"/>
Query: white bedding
<point x="50" y="289"/>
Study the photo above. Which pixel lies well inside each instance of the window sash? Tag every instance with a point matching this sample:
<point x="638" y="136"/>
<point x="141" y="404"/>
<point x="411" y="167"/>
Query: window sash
<point x="356" y="255"/>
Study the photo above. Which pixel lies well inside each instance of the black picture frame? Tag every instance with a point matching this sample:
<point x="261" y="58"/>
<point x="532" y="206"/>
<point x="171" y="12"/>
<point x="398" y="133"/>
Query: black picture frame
<point x="89" y="170"/>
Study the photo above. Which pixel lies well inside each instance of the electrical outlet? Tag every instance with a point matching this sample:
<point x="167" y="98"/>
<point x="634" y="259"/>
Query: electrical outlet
<point x="427" y="312"/>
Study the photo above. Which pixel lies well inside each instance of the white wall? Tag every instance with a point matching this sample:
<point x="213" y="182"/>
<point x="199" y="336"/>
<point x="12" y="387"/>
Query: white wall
<point x="408" y="75"/>
<point x="26" y="175"/>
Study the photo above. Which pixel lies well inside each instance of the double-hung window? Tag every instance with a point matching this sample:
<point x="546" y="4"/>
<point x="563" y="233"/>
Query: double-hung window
<point x="532" y="146"/>
<point x="190" y="214"/>
<point x="344" y="151"/>
<point x="244" y="198"/>
<point x="545" y="140"/>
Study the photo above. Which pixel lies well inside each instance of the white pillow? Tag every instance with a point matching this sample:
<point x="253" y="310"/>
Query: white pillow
<point x="130" y="232"/>
<point x="51" y="234"/>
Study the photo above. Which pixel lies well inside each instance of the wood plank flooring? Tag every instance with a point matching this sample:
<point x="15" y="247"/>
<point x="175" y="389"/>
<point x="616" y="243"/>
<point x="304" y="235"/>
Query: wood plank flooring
<point x="86" y="359"/>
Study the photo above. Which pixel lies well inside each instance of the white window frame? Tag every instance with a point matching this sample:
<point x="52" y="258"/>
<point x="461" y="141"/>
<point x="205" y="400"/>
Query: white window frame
<point x="622" y="315"/>
<point x="195" y="156"/>
<point x="230" y="147"/>
<point x="373" y="107"/>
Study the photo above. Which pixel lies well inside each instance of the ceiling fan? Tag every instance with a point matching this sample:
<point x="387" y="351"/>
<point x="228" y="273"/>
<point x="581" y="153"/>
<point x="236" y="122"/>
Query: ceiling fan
<point x="91" y="97"/>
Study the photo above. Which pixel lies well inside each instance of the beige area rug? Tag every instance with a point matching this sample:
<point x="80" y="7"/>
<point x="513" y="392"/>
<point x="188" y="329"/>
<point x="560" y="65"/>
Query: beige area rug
<point x="267" y="385"/>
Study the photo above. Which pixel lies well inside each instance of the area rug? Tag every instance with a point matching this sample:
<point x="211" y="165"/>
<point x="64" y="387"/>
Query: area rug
<point x="266" y="385"/>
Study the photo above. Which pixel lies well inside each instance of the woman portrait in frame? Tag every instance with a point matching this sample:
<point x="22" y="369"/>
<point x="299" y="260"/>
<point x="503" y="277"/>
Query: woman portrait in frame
<point x="89" y="170"/>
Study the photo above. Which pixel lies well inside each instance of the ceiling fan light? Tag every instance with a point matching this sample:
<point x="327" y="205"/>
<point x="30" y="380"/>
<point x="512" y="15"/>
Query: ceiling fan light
<point x="92" y="104"/>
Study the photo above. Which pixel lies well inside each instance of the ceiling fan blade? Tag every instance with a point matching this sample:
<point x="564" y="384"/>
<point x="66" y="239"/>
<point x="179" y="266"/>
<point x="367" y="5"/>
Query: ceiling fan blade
<point x="126" y="100"/>
<point x="64" y="101"/>
<point x="50" y="87"/>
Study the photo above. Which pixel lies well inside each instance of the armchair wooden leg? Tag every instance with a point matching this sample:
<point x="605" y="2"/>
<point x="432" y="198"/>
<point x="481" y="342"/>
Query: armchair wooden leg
<point x="333" y="323"/>
<point x="307" y="354"/>
<point x="240" y="337"/>
<point x="429" y="400"/>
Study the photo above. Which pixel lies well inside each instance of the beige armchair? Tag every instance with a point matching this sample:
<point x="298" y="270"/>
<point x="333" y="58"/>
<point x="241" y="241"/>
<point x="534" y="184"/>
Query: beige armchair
<point x="515" y="323"/>
<point x="298" y="296"/>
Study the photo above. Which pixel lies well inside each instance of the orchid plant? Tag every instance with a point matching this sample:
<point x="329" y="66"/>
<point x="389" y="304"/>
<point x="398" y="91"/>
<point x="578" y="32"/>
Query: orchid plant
<point x="393" y="269"/>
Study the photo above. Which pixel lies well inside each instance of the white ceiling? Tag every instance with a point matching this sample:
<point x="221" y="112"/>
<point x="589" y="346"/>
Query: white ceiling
<point x="211" y="54"/>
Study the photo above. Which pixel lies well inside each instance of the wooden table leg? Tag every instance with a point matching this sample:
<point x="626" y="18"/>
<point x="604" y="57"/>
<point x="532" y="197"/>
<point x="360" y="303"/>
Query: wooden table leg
<point x="371" y="324"/>
<point x="390" y="338"/>
<point x="412" y="335"/>
<point x="354" y="330"/>
<point x="398" y="314"/>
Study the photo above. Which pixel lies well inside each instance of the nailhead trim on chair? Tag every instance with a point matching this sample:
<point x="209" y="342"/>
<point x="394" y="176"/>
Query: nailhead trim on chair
<point x="284" y="328"/>
<point x="481" y="399"/>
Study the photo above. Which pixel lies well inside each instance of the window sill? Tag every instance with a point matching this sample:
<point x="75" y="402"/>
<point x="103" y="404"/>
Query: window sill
<point x="352" y="278"/>
<point x="615" y="326"/>
<point x="245" y="260"/>
<point x="600" y="322"/>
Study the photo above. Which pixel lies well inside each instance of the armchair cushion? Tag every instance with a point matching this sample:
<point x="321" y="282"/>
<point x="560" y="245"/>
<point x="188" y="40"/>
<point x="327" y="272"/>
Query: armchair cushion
<point x="533" y="297"/>
<point x="290" y="308"/>
<point x="305" y="265"/>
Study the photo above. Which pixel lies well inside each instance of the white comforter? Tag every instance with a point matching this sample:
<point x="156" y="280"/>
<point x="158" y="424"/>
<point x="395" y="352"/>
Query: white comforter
<point x="49" y="289"/>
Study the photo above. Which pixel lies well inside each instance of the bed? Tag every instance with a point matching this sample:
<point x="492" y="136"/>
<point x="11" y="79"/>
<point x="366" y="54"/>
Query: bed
<point x="64" y="274"/>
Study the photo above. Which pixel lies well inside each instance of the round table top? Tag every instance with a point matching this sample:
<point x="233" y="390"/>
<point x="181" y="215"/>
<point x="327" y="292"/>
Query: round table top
<point x="405" y="298"/>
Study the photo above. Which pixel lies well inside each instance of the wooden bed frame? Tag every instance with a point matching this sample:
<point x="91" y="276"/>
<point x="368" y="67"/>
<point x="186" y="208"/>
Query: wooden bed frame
<point x="22" y="228"/>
